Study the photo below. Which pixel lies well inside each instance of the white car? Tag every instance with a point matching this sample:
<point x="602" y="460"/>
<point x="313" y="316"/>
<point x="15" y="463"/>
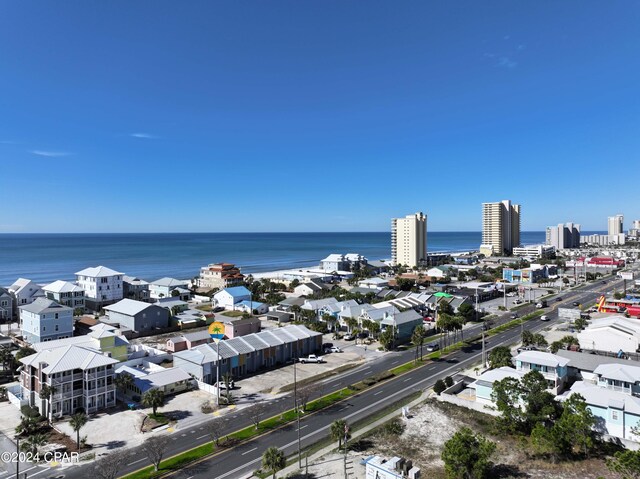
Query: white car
<point x="333" y="349"/>
<point x="544" y="317"/>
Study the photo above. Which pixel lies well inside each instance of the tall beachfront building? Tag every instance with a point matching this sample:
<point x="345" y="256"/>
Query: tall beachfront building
<point x="563" y="236"/>
<point x="500" y="228"/>
<point x="615" y="224"/>
<point x="409" y="239"/>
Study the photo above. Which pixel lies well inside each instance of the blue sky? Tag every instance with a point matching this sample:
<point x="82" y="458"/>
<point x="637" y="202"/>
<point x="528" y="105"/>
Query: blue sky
<point x="315" y="115"/>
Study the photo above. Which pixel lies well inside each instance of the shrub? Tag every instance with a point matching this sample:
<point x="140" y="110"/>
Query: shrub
<point x="393" y="428"/>
<point x="30" y="412"/>
<point x="448" y="381"/>
<point x="206" y="407"/>
<point x="439" y="386"/>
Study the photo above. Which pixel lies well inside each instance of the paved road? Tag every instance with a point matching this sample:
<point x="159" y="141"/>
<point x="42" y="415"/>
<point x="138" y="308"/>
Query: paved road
<point x="241" y="460"/>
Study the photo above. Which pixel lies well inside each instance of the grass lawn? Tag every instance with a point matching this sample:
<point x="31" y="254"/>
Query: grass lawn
<point x="232" y="314"/>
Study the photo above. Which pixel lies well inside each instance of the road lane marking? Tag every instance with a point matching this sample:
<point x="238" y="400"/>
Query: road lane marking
<point x="395" y="362"/>
<point x="379" y="392"/>
<point x="200" y="437"/>
<point x="36" y="473"/>
<point x="139" y="460"/>
<point x="431" y="368"/>
<point x="408" y="379"/>
<point x="250" y="450"/>
<point x="302" y="427"/>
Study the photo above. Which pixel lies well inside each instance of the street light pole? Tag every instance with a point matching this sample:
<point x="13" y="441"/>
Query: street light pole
<point x="218" y="372"/>
<point x="18" y="457"/>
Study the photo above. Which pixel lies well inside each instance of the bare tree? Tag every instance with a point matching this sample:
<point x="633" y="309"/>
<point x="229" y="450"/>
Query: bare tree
<point x="305" y="393"/>
<point x="215" y="429"/>
<point x="257" y="411"/>
<point x="154" y="448"/>
<point x="110" y="465"/>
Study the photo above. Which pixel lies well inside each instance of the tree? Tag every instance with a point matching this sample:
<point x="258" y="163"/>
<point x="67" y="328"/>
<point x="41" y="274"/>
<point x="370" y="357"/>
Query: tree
<point x="154" y="448"/>
<point x="626" y="464"/>
<point x="273" y="460"/>
<point x="466" y="311"/>
<point x="417" y="338"/>
<point x="257" y="411"/>
<point x="153" y="398"/>
<point x="77" y="422"/>
<point x="539" y="340"/>
<point x="46" y="392"/>
<point x="110" y="465"/>
<point x="527" y="338"/>
<point x="351" y="323"/>
<point x="387" y="338"/>
<point x="439" y="386"/>
<point x="6" y="359"/>
<point x="24" y="352"/>
<point x="575" y="426"/>
<point x="374" y="329"/>
<point x="34" y="442"/>
<point x="580" y="324"/>
<point x="124" y="381"/>
<point x="556" y="346"/>
<point x="214" y="429"/>
<point x="499" y="357"/>
<point x="305" y="393"/>
<point x="339" y="430"/>
<point x="467" y="455"/>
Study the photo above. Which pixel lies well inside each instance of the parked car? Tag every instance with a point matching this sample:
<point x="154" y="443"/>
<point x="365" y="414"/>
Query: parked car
<point x="312" y="358"/>
<point x="349" y="337"/>
<point x="326" y="346"/>
<point x="517" y="301"/>
<point x="428" y="319"/>
<point x="223" y="385"/>
<point x="433" y="347"/>
<point x="333" y="349"/>
<point x="217" y="309"/>
<point x="527" y="348"/>
<point x="544" y="317"/>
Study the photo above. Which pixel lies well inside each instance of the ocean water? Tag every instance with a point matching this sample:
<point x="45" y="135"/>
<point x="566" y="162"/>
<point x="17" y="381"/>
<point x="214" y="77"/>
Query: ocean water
<point x="48" y="257"/>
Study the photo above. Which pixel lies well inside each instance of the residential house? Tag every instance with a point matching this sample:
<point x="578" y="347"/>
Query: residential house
<point x="168" y="380"/>
<point x="374" y="283"/>
<point x="316" y="305"/>
<point x="343" y="262"/>
<point x="220" y="276"/>
<point x="252" y="307"/>
<point x="101" y="337"/>
<point x="288" y="303"/>
<point x="235" y="327"/>
<point x="229" y="297"/>
<point x="65" y="293"/>
<point x="553" y="367"/>
<point x="173" y="304"/>
<point x="376" y="314"/>
<point x="44" y="320"/>
<point x="137" y="315"/>
<point x="483" y="386"/>
<point x="102" y="286"/>
<point x="611" y="334"/>
<point x="440" y="272"/>
<point x="403" y="324"/>
<point x="24" y="291"/>
<point x="168" y="288"/>
<point x="311" y="286"/>
<point x="82" y="379"/>
<point x="6" y="305"/>
<point x="135" y="288"/>
<point x="612" y="396"/>
<point x="533" y="274"/>
<point x="188" y="341"/>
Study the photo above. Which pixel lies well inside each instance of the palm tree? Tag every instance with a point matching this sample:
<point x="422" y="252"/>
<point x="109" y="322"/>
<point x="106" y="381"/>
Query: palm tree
<point x="46" y="392"/>
<point x="417" y="338"/>
<point x="339" y="429"/>
<point x="34" y="442"/>
<point x="153" y="398"/>
<point x="77" y="422"/>
<point x="124" y="382"/>
<point x="6" y="359"/>
<point x="273" y="460"/>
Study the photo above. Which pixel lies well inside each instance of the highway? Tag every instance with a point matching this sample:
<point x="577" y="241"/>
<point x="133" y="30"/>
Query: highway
<point x="239" y="461"/>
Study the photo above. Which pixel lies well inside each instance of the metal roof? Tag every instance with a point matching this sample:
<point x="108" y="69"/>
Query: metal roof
<point x="68" y="358"/>
<point x="44" y="305"/>
<point x="62" y="287"/>
<point x="98" y="272"/>
<point x="542" y="358"/>
<point x="239" y="345"/>
<point x="128" y="307"/>
<point x="255" y="341"/>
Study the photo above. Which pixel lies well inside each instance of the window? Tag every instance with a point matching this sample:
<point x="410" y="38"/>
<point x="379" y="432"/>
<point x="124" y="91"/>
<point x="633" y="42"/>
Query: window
<point x="614" y="415"/>
<point x="56" y="315"/>
<point x="56" y="327"/>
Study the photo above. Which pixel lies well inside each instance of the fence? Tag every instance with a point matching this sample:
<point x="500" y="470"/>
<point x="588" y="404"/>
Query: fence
<point x="14" y="393"/>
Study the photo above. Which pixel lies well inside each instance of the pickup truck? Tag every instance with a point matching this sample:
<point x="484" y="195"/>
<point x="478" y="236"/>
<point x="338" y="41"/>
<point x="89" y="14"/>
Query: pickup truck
<point x="312" y="358"/>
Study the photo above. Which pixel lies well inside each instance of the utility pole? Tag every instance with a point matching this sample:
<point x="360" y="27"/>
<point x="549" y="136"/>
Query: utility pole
<point x="346" y="431"/>
<point x="18" y="457"/>
<point x="218" y="372"/>
<point x="484" y="362"/>
<point x="295" y="408"/>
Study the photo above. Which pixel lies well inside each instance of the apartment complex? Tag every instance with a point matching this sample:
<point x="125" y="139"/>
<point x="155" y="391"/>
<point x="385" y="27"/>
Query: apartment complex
<point x="563" y="236"/>
<point x="615" y="225"/>
<point x="219" y="275"/>
<point x="101" y="285"/>
<point x="82" y="378"/>
<point x="409" y="240"/>
<point x="500" y="228"/>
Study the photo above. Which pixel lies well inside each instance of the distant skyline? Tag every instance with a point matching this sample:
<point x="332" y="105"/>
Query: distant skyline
<point x="291" y="116"/>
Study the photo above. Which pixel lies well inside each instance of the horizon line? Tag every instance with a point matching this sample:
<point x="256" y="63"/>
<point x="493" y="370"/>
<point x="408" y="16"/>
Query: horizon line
<point x="242" y="232"/>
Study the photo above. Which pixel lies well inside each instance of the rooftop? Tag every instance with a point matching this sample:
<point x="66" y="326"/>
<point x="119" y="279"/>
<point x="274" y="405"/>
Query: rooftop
<point x="129" y="307"/>
<point x="98" y="272"/>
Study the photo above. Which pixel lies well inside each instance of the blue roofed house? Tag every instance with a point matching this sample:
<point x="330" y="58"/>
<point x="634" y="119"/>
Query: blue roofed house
<point x="228" y="298"/>
<point x="254" y="307"/>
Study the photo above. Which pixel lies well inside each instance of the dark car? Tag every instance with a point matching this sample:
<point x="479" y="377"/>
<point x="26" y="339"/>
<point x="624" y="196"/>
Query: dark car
<point x="575" y="303"/>
<point x="558" y="298"/>
<point x="217" y="309"/>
